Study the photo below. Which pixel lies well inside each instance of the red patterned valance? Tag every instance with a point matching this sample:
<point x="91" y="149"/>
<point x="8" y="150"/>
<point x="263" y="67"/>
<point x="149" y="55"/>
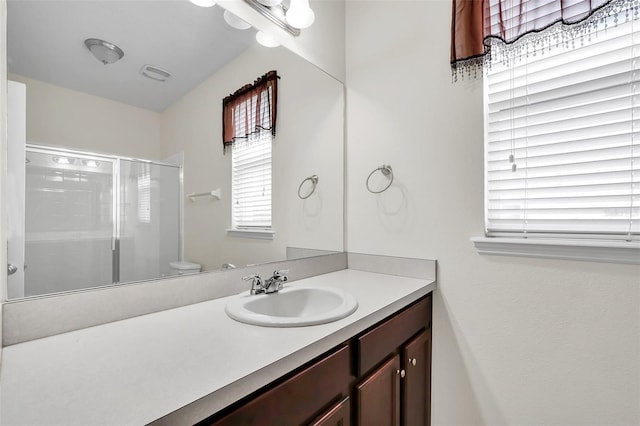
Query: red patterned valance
<point x="485" y="30"/>
<point x="250" y="109"/>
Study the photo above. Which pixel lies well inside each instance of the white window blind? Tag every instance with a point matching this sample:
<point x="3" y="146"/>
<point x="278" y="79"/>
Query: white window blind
<point x="569" y="117"/>
<point x="251" y="170"/>
<point x="144" y="193"/>
<point x="251" y="182"/>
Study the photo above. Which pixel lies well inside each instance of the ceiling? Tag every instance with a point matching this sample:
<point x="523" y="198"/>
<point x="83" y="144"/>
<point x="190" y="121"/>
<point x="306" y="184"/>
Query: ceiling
<point x="45" y="41"/>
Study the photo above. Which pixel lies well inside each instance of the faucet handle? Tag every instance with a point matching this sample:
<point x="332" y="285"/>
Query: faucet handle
<point x="251" y="277"/>
<point x="256" y="283"/>
<point x="274" y="283"/>
<point x="281" y="274"/>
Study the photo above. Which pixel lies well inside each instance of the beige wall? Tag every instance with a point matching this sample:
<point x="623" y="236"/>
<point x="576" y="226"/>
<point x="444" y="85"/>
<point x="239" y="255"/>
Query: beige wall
<point x="68" y="118"/>
<point x="309" y="141"/>
<point x="517" y="341"/>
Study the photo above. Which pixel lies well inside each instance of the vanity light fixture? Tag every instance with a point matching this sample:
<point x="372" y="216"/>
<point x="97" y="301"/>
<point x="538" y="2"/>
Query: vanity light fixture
<point x="279" y="12"/>
<point x="63" y="160"/>
<point x="90" y="163"/>
<point x="203" y="3"/>
<point x="275" y="14"/>
<point x="266" y="40"/>
<point x="105" y="52"/>
<point x="300" y="14"/>
<point x="235" y="22"/>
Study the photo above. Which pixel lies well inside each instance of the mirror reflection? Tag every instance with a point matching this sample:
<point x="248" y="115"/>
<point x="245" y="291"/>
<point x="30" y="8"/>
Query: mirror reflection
<point x="102" y="158"/>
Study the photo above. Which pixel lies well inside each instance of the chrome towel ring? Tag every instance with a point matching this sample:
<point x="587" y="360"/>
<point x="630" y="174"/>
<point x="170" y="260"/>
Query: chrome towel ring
<point x="386" y="171"/>
<point x="314" y="182"/>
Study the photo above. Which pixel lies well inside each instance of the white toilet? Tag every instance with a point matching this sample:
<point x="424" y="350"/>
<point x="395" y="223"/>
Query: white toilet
<point x="182" y="267"/>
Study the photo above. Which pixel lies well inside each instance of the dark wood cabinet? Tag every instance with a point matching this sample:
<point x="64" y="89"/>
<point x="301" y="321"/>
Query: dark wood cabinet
<point x="379" y="396"/>
<point x="398" y="391"/>
<point x="338" y="415"/>
<point x="297" y="399"/>
<point x="416" y="385"/>
<point x="374" y="345"/>
<point x="379" y="377"/>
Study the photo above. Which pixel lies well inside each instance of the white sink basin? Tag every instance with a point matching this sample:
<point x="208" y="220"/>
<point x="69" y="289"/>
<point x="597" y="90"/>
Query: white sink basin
<point x="292" y="306"/>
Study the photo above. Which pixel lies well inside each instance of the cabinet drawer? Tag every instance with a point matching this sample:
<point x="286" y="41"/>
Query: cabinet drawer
<point x="375" y="345"/>
<point x="299" y="398"/>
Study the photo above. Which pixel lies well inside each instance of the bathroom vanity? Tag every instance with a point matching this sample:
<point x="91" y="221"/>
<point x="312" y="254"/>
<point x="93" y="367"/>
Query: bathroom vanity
<point x="195" y="364"/>
<point x="380" y="376"/>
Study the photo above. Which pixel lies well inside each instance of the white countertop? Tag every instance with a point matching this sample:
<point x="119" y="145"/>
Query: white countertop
<point x="180" y="365"/>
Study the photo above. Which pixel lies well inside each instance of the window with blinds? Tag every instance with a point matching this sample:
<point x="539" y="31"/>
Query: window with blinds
<point x="144" y="193"/>
<point x="251" y="182"/>
<point x="562" y="137"/>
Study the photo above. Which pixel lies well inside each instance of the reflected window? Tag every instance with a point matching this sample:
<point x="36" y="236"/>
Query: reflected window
<point x="251" y="182"/>
<point x="249" y="126"/>
<point x="144" y="193"/>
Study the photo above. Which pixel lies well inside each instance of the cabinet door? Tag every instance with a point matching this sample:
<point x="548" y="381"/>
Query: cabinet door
<point x="416" y="386"/>
<point x="338" y="415"/>
<point x="379" y="396"/>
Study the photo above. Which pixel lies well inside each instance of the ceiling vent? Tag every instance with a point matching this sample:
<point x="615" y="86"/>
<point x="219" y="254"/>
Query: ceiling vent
<point x="155" y="73"/>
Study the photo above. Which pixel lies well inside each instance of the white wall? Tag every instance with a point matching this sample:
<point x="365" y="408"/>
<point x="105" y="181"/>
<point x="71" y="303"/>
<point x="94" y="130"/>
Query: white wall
<point x="68" y="118"/>
<point x="309" y="140"/>
<point x="517" y="341"/>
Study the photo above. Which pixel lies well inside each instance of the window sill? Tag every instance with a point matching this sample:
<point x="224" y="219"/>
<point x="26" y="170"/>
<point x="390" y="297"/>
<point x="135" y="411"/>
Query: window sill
<point x="595" y="251"/>
<point x="256" y="234"/>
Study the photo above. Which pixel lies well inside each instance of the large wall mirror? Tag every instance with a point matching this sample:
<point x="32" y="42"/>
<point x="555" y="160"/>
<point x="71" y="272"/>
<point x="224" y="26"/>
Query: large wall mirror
<point x="98" y="182"/>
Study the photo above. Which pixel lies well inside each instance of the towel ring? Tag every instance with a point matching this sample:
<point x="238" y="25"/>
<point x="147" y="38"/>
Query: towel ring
<point x="386" y="171"/>
<point x="314" y="182"/>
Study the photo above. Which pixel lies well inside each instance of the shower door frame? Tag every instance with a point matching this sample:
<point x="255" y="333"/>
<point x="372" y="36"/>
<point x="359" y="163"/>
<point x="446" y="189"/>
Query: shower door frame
<point x="116" y="195"/>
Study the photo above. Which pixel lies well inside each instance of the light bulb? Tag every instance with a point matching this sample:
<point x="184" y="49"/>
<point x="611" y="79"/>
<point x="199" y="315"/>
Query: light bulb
<point x="203" y="3"/>
<point x="266" y="40"/>
<point x="62" y="160"/>
<point x="235" y="22"/>
<point x="300" y="14"/>
<point x="90" y="163"/>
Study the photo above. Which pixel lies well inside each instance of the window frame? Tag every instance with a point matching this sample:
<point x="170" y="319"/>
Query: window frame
<point x="560" y="246"/>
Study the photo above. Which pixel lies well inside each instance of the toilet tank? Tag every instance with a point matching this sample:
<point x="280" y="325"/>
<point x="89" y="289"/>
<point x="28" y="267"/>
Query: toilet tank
<point x="183" y="267"/>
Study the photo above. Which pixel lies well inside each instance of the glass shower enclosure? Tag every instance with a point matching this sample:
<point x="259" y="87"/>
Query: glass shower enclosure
<point x="94" y="220"/>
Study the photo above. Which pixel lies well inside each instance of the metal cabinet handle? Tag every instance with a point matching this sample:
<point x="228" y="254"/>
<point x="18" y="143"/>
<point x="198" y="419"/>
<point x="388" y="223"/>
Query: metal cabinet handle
<point x="412" y="361"/>
<point x="402" y="373"/>
<point x="11" y="269"/>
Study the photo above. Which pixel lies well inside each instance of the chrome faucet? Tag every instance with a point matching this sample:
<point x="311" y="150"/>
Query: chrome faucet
<point x="273" y="284"/>
<point x="270" y="285"/>
<point x="257" y="286"/>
